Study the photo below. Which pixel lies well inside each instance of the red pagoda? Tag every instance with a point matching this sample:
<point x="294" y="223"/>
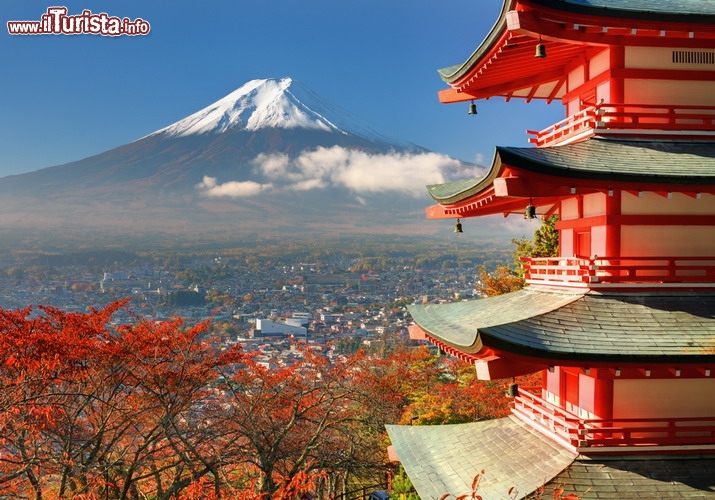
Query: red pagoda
<point x="622" y="323"/>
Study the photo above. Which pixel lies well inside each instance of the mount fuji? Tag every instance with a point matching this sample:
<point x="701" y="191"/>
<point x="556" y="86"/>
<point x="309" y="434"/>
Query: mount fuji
<point x="280" y="104"/>
<point x="271" y="156"/>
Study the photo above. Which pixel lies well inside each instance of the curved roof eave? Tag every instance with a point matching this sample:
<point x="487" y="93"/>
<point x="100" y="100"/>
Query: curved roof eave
<point x="693" y="11"/>
<point x="651" y="161"/>
<point x="453" y="73"/>
<point x="454" y="192"/>
<point x="458" y="324"/>
<point x="577" y="326"/>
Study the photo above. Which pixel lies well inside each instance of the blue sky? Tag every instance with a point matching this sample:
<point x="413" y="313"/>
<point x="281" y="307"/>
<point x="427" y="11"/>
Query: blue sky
<point x="63" y="98"/>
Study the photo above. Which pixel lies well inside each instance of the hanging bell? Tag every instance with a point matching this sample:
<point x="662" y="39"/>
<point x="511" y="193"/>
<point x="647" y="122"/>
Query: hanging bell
<point x="458" y="227"/>
<point x="530" y="212"/>
<point x="540" y="50"/>
<point x="472" y="109"/>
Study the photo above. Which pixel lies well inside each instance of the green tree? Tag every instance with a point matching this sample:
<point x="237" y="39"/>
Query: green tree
<point x="546" y="238"/>
<point x="182" y="298"/>
<point x="544" y="244"/>
<point x="507" y="279"/>
<point x="402" y="486"/>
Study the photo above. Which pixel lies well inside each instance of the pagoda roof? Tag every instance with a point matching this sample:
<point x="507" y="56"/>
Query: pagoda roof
<point x="644" y="479"/>
<point x="596" y="159"/>
<point x="641" y="9"/>
<point x="444" y="459"/>
<point x="504" y="63"/>
<point x="552" y="325"/>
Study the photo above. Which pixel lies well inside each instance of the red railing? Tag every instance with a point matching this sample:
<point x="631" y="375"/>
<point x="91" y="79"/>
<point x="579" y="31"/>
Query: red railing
<point x="619" y="270"/>
<point x="637" y="433"/>
<point x="630" y="119"/>
<point x="537" y="412"/>
<point x="575" y="126"/>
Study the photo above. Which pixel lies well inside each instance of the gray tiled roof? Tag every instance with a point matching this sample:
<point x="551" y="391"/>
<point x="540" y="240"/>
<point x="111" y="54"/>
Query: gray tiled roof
<point x="679" y="7"/>
<point x="672" y="162"/>
<point x="459" y="323"/>
<point x="654" y="161"/>
<point x="671" y="478"/>
<point x="591" y="327"/>
<point x="444" y="459"/>
<point x="441" y="459"/>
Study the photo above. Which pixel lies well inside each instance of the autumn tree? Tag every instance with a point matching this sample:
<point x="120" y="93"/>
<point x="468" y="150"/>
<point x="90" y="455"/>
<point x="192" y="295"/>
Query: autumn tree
<point x="45" y="398"/>
<point x="502" y="280"/>
<point x="88" y="409"/>
<point x="172" y="371"/>
<point x="290" y="420"/>
<point x="436" y="389"/>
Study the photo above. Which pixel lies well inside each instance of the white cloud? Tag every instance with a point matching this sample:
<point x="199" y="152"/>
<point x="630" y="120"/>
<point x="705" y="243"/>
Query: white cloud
<point x="273" y="166"/>
<point x="232" y="189"/>
<point x="361" y="172"/>
<point x="308" y="184"/>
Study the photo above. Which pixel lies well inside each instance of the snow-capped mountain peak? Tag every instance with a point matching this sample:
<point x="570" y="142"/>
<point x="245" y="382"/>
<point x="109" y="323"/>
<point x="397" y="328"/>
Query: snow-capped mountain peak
<point x="269" y="103"/>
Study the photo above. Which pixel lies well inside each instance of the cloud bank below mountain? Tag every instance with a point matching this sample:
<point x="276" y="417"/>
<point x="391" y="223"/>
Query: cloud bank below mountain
<point x="361" y="172"/>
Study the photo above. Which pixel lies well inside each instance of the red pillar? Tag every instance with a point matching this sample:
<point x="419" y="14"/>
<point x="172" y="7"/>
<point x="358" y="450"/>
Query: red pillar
<point x="613" y="230"/>
<point x="618" y="61"/>
<point x="603" y="398"/>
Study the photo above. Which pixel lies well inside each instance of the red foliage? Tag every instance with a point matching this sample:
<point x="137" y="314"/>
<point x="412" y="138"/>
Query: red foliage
<point x="89" y="410"/>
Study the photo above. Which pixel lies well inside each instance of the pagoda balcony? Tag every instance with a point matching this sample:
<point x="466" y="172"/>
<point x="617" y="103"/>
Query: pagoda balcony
<point x="631" y="120"/>
<point x="625" y="272"/>
<point x="613" y="436"/>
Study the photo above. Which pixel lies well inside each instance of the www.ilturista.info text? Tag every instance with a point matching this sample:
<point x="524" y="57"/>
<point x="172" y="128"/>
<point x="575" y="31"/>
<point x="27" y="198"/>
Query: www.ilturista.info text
<point x="56" y="22"/>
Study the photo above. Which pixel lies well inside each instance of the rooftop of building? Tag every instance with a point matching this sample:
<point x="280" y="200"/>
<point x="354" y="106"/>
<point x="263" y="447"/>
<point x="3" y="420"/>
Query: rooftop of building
<point x="576" y="326"/>
<point x="685" y="163"/>
<point x="566" y="30"/>
<point x="637" y="8"/>
<point x="445" y="459"/>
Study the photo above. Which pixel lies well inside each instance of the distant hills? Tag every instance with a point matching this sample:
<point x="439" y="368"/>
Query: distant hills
<point x="271" y="158"/>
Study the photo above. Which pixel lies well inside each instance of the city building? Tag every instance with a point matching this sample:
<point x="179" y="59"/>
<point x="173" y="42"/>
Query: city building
<point x="287" y="328"/>
<point x="621" y="323"/>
